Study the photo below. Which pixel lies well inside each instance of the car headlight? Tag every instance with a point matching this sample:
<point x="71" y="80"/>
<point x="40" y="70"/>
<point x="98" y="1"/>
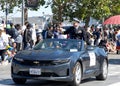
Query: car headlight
<point x="61" y="61"/>
<point x="18" y="59"/>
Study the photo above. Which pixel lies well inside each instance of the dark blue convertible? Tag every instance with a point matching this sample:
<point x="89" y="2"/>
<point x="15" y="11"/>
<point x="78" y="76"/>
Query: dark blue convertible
<point x="67" y="60"/>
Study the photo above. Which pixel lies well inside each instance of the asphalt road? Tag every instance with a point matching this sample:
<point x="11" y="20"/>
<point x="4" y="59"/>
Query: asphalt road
<point x="112" y="80"/>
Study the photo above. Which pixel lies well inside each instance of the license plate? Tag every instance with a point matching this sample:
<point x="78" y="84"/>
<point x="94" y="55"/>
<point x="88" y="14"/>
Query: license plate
<point x="35" y="71"/>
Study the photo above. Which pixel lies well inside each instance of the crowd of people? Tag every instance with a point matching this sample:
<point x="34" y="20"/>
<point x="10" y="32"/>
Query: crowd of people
<point x="17" y="37"/>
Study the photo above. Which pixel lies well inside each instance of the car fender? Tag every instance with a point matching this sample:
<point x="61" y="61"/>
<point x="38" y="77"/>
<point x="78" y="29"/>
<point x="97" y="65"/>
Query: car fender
<point x="78" y="59"/>
<point x="100" y="52"/>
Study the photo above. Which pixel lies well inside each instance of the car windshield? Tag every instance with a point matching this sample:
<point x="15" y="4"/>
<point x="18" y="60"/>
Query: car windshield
<point x="71" y="45"/>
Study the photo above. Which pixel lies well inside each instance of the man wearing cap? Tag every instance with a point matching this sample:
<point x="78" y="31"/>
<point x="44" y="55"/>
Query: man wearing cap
<point x="75" y="31"/>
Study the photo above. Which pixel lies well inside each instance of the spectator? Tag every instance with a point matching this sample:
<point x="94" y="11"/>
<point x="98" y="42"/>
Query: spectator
<point x="91" y="40"/>
<point x="14" y="32"/>
<point x="92" y="28"/>
<point x="24" y="27"/>
<point x="27" y="37"/>
<point x="111" y="34"/>
<point x="88" y="36"/>
<point x="111" y="46"/>
<point x="96" y="34"/>
<point x="34" y="38"/>
<point x="19" y="38"/>
<point x="3" y="44"/>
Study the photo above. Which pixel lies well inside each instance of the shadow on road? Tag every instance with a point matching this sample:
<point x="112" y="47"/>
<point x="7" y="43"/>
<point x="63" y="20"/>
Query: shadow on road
<point x="9" y="82"/>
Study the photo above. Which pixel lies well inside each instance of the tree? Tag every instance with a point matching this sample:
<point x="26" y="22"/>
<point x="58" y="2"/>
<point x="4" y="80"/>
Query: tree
<point x="114" y="7"/>
<point x="17" y="3"/>
<point x="82" y="9"/>
<point x="59" y="8"/>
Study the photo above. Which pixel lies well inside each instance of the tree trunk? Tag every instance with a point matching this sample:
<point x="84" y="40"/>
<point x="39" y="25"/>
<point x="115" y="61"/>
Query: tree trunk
<point x="87" y="21"/>
<point x="60" y="13"/>
<point x="26" y="14"/>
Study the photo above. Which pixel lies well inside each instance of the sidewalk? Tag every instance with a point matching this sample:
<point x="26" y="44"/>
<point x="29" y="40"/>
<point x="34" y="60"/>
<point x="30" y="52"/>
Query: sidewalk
<point x="4" y="63"/>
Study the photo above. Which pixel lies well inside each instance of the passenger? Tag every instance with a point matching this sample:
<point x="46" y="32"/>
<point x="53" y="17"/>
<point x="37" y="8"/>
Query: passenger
<point x="39" y="38"/>
<point x="76" y="32"/>
<point x="60" y="30"/>
<point x="49" y="33"/>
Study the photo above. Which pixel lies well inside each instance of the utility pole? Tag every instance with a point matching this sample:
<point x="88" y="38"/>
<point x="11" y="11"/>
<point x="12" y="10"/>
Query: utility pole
<point x="23" y="6"/>
<point x="6" y="12"/>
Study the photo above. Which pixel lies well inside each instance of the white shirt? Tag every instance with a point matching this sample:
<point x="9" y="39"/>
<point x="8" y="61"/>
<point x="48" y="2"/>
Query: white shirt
<point x="1" y="44"/>
<point x="3" y="41"/>
<point x="34" y="38"/>
<point x="5" y="38"/>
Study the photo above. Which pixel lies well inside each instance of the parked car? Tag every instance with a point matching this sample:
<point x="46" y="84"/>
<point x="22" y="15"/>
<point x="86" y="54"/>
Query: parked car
<point x="67" y="60"/>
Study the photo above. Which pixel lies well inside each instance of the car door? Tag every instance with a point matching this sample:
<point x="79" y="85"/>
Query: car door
<point x="93" y="59"/>
<point x="90" y="61"/>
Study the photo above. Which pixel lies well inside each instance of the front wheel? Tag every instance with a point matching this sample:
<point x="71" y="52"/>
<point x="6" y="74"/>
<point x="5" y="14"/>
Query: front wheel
<point x="104" y="73"/>
<point x="77" y="75"/>
<point x="19" y="80"/>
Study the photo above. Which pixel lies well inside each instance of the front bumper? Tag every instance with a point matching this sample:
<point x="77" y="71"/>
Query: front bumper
<point x="61" y="72"/>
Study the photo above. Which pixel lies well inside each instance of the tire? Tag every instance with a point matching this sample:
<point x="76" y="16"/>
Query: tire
<point x="103" y="75"/>
<point x="77" y="75"/>
<point x="19" y="80"/>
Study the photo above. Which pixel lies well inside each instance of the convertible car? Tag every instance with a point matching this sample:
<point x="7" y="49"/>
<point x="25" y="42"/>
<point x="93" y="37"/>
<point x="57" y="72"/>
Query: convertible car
<point x="67" y="60"/>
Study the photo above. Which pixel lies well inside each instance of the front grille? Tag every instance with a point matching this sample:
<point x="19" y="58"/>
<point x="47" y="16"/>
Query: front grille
<point x="47" y="74"/>
<point x="37" y="63"/>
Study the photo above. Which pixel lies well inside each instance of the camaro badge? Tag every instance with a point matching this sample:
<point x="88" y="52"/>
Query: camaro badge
<point x="36" y="62"/>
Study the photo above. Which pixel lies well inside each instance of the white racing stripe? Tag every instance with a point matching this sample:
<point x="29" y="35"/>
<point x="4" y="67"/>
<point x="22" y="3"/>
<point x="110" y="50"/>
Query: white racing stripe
<point x="115" y="84"/>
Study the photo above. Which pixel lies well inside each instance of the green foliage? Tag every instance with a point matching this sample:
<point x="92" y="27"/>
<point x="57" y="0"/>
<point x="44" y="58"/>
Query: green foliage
<point x="17" y="3"/>
<point x="84" y="9"/>
<point x="115" y="7"/>
<point x="68" y="9"/>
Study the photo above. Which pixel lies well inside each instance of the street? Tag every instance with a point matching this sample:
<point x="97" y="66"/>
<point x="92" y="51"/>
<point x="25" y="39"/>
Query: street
<point x="112" y="80"/>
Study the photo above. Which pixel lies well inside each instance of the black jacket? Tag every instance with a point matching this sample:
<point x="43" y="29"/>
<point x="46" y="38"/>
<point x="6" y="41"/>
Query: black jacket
<point x="27" y="36"/>
<point x="76" y="33"/>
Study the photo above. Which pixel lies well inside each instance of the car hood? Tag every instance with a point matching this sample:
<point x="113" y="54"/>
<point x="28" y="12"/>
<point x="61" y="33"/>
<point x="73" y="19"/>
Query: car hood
<point x="43" y="54"/>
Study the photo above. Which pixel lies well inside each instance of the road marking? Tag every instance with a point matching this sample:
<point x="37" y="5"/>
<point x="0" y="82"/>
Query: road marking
<point x="115" y="84"/>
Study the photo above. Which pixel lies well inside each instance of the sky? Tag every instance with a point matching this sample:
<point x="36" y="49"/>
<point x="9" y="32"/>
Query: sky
<point x="30" y="13"/>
